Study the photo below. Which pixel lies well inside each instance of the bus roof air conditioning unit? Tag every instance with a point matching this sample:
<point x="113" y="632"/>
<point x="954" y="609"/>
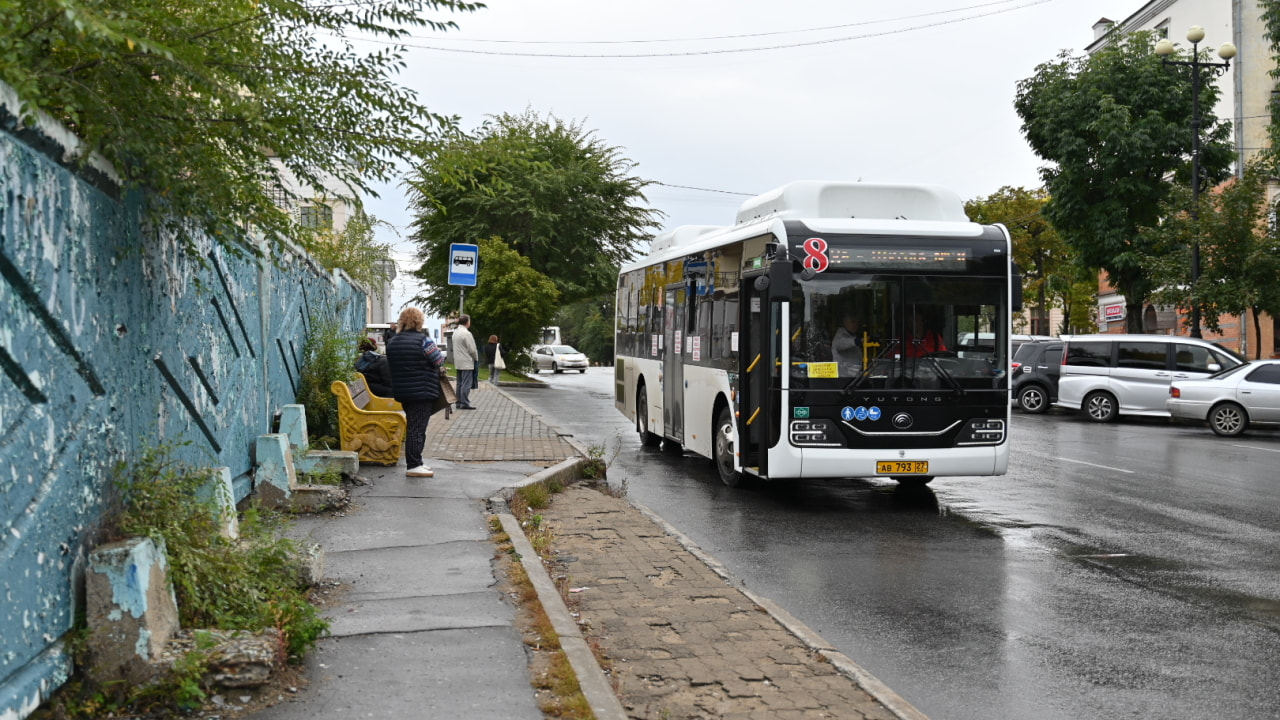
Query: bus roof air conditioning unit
<point x="819" y="199"/>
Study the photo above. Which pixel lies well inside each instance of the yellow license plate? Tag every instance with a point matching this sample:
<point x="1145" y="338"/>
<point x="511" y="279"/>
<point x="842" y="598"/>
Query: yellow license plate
<point x="902" y="467"/>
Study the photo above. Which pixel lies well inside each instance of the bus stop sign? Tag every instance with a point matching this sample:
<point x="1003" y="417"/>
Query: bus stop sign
<point x="464" y="260"/>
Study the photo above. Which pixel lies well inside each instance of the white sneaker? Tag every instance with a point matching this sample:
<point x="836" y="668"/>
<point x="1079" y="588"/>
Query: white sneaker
<point x="420" y="471"/>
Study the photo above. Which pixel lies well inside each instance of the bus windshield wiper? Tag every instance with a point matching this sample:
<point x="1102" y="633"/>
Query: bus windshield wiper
<point x="937" y="366"/>
<point x="865" y="374"/>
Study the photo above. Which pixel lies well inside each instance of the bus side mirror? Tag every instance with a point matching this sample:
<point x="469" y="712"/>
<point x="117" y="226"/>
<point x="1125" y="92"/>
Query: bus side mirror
<point x="780" y="281"/>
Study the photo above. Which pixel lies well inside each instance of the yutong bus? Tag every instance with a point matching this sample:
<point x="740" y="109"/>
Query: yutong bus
<point x="819" y="337"/>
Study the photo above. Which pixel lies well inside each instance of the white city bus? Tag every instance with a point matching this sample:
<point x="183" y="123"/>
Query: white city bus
<point x="724" y="337"/>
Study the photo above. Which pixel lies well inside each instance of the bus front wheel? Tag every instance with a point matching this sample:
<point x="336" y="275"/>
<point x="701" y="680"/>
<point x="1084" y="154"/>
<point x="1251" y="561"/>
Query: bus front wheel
<point x="647" y="438"/>
<point x="724" y="449"/>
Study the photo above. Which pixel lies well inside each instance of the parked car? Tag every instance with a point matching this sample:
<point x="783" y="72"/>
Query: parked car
<point x="1111" y="375"/>
<point x="1035" y="369"/>
<point x="558" y="358"/>
<point x="1231" y="400"/>
<point x="984" y="344"/>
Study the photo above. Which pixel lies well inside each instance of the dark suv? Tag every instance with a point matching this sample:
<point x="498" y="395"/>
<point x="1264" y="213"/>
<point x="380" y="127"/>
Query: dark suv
<point x="1036" y="366"/>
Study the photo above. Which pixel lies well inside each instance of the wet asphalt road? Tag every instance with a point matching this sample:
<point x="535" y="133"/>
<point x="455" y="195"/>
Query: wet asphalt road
<point x="1126" y="570"/>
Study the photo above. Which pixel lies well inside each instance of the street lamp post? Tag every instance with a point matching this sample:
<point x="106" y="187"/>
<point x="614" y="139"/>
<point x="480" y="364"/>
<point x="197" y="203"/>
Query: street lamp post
<point x="1164" y="49"/>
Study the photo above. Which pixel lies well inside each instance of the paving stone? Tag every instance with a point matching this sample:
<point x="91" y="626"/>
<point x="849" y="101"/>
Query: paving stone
<point x="686" y="643"/>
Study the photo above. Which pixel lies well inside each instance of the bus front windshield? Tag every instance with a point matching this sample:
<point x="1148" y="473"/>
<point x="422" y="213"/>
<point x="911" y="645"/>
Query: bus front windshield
<point x="852" y="330"/>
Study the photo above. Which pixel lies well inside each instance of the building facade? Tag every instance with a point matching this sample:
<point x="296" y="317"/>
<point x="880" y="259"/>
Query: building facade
<point x="1245" y="96"/>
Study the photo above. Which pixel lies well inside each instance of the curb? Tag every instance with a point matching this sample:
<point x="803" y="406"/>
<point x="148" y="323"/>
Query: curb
<point x="591" y="678"/>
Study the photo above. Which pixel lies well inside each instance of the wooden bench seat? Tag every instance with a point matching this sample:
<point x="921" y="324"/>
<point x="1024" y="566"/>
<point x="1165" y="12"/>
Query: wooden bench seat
<point x="370" y="425"/>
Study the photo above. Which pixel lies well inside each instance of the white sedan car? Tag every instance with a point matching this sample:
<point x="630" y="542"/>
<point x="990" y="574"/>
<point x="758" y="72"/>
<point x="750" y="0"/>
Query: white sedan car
<point x="1230" y="400"/>
<point x="558" y="358"/>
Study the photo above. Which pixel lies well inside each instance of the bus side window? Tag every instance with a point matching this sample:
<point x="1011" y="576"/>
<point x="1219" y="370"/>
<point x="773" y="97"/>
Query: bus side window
<point x="704" y="325"/>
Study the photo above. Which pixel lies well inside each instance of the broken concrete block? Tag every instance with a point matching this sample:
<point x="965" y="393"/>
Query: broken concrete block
<point x="132" y="611"/>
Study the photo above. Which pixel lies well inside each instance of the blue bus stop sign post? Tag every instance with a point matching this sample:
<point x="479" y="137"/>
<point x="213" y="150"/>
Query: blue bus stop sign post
<point x="464" y="261"/>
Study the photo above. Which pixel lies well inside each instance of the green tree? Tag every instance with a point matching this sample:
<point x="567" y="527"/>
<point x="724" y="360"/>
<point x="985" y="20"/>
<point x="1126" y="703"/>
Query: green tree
<point x="209" y="106"/>
<point x="510" y="299"/>
<point x="355" y="250"/>
<point x="1046" y="261"/>
<point x="1116" y="126"/>
<point x="551" y="190"/>
<point x="1239" y="250"/>
<point x="588" y="326"/>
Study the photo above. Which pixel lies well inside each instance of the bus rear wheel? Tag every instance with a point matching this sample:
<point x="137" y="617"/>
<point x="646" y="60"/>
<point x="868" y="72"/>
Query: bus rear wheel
<point x="723" y="451"/>
<point x="647" y="438"/>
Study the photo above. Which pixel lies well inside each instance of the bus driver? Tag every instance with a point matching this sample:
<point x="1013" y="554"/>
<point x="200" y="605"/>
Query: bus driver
<point x="846" y="347"/>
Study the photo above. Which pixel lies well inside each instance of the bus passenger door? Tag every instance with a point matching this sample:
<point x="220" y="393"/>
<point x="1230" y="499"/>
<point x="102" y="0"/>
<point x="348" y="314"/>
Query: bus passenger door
<point x="672" y="362"/>
<point x="756" y="360"/>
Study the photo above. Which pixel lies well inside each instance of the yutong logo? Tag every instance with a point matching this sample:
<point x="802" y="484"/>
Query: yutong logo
<point x="900" y="399"/>
<point x="902" y="421"/>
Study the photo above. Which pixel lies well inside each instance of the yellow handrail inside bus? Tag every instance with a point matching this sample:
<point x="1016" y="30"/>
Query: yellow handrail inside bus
<point x="753" y="416"/>
<point x="797" y="333"/>
<point x="753" y="364"/>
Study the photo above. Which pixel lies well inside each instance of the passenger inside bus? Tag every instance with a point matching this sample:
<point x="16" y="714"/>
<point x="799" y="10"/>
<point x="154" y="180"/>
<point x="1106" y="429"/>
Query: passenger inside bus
<point x="923" y="337"/>
<point x="846" y="347"/>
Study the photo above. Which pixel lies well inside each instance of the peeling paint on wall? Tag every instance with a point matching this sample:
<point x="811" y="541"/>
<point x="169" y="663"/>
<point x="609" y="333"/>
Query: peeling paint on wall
<point x="105" y="348"/>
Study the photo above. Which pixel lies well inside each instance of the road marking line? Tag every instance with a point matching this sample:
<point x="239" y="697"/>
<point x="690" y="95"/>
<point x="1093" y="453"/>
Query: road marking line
<point x="1104" y="467"/>
<point x="1255" y="447"/>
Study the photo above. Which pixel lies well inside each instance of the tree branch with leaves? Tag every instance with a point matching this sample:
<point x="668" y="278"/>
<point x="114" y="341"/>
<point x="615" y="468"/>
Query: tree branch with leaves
<point x="207" y="105"/>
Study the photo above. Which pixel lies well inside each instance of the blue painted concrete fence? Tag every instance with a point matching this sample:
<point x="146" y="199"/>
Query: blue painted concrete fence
<point x="111" y="340"/>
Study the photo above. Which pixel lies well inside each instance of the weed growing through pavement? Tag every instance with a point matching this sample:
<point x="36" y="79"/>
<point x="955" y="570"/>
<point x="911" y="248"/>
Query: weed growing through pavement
<point x="618" y="491"/>
<point x="595" y="467"/>
<point x="559" y="694"/>
<point x="600" y="457"/>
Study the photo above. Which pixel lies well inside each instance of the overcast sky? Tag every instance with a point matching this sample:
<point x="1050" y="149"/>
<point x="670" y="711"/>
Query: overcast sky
<point x="719" y="100"/>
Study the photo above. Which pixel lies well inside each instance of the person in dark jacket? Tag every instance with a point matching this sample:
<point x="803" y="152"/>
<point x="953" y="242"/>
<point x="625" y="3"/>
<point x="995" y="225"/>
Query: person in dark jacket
<point x="374" y="367"/>
<point x="416" y="364"/>
<point x="491" y="358"/>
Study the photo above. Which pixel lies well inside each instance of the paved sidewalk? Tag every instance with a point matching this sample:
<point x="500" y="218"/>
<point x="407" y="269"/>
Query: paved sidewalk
<point x="499" y="429"/>
<point x="420" y="630"/>
<point x="683" y="642"/>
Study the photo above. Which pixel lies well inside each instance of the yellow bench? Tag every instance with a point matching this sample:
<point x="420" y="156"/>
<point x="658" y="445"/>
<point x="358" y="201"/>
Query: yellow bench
<point x="370" y="425"/>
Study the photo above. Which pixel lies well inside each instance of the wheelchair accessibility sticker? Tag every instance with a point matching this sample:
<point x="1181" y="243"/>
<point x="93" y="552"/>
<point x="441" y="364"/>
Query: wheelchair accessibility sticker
<point x="860" y="413"/>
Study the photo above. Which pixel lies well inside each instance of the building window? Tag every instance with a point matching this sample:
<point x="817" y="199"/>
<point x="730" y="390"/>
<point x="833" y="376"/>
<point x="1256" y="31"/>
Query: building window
<point x="316" y="217"/>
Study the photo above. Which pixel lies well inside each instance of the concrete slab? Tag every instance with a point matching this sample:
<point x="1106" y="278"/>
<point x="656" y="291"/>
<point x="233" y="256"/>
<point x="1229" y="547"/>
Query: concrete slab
<point x="383" y="522"/>
<point x="477" y="674"/>
<point x="380" y="573"/>
<point x="416" y="614"/>
<point x="472" y="480"/>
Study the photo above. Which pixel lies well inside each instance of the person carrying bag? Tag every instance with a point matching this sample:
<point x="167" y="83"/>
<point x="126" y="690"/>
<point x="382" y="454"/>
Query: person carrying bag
<point x="493" y="356"/>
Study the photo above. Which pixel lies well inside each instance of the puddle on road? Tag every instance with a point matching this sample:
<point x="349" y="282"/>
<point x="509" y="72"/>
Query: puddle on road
<point x="1176" y="579"/>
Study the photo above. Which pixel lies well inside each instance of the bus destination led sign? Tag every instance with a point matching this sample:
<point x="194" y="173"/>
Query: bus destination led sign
<point x="895" y="258"/>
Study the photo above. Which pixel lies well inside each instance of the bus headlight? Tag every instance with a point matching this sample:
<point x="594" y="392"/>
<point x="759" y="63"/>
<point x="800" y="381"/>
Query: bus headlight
<point x="982" y="431"/>
<point x="811" y="433"/>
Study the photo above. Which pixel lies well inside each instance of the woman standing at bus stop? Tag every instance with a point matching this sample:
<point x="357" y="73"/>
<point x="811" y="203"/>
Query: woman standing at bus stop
<point x="492" y="353"/>
<point x="416" y="364"/>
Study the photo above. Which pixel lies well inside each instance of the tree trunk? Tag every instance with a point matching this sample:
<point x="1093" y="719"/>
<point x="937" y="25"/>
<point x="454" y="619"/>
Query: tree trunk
<point x="1132" y="316"/>
<point x="1257" y="333"/>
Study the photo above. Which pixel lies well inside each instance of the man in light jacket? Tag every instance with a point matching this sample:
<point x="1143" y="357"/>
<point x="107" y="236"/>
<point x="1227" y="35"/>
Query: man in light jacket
<point x="466" y="358"/>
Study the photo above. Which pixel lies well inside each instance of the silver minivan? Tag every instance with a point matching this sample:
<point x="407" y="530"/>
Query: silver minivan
<point x="1110" y="375"/>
